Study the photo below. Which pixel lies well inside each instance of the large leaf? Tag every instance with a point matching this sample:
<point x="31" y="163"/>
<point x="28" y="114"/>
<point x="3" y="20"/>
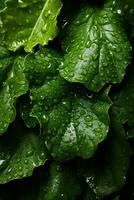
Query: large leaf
<point x="28" y="23"/>
<point x="21" y="150"/>
<point x="73" y="122"/>
<point x="96" y="47"/>
<point x="15" y="86"/>
<point x="106" y="173"/>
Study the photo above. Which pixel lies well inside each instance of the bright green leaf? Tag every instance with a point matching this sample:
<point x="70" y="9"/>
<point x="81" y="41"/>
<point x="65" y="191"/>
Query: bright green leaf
<point x="28" y="23"/>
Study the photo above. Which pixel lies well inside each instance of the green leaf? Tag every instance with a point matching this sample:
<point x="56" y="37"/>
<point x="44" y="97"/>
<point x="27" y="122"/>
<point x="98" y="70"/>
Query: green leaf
<point x="125" y="8"/>
<point x="30" y="23"/>
<point x="21" y="150"/>
<point x="15" y="86"/>
<point x="96" y="47"/>
<point x="73" y="123"/>
<point x="106" y="172"/>
<point x="123" y="107"/>
<point x="6" y="61"/>
<point x="39" y="68"/>
<point x="25" y="109"/>
<point x="53" y="181"/>
<point x="2" y="5"/>
<point x="42" y="65"/>
<point x="63" y="184"/>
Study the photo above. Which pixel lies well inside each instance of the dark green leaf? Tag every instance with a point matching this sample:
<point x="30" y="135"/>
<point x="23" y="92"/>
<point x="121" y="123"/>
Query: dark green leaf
<point x="73" y="123"/>
<point x="123" y="107"/>
<point x="21" y="150"/>
<point x="6" y="61"/>
<point x="125" y="8"/>
<point x="96" y="47"/>
<point x="63" y="184"/>
<point x="106" y="173"/>
<point x="42" y="65"/>
<point x="2" y="4"/>
<point x="15" y="86"/>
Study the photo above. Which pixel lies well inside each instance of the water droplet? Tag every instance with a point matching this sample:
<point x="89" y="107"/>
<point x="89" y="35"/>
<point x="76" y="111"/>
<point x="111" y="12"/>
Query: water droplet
<point x="77" y="22"/>
<point x="88" y="118"/>
<point x="44" y="28"/>
<point x="16" y="175"/>
<point x="29" y="153"/>
<point x="22" y="4"/>
<point x="119" y="11"/>
<point x="27" y="21"/>
<point x="9" y="170"/>
<point x="26" y="161"/>
<point x="131" y="11"/>
<point x="20" y="174"/>
<point x="88" y="44"/>
<point x="9" y="177"/>
<point x="2" y="161"/>
<point x="126" y="7"/>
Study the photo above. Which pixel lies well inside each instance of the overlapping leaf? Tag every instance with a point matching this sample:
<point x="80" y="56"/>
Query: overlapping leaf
<point x="28" y="23"/>
<point x="96" y="47"/>
<point x="15" y="86"/>
<point x="61" y="175"/>
<point x="21" y="150"/>
<point x="73" y="122"/>
<point x="123" y="107"/>
<point x="106" y="173"/>
<point x="6" y="61"/>
<point x="49" y="185"/>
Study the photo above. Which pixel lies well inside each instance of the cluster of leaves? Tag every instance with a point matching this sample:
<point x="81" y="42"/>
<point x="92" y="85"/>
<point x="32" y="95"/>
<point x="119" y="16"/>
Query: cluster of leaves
<point x="66" y="99"/>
